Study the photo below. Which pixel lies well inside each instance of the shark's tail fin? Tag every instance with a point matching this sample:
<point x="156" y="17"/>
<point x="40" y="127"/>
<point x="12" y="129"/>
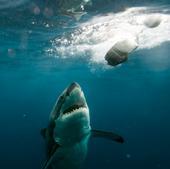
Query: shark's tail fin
<point x="107" y="135"/>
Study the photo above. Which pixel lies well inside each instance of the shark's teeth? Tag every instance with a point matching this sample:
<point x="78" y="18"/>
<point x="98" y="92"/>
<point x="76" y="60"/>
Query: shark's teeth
<point x="74" y="111"/>
<point x="73" y="108"/>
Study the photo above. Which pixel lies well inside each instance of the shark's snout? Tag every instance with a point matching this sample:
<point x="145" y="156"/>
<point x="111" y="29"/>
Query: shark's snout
<point x="70" y="101"/>
<point x="72" y="87"/>
<point x="75" y="99"/>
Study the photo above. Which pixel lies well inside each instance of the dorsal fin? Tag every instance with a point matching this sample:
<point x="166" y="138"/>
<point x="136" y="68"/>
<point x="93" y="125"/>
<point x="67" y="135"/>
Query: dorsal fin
<point x="50" y="156"/>
<point x="107" y="135"/>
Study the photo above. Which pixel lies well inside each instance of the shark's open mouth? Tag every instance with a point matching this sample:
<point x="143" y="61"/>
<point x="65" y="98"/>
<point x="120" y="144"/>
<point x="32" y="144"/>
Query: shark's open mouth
<point x="73" y="108"/>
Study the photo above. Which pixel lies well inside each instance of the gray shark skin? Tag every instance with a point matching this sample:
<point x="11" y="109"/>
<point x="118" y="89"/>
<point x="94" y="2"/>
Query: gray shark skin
<point x="69" y="130"/>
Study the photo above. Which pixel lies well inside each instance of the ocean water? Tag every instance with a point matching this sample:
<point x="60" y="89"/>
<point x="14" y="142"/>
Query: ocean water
<point x="42" y="52"/>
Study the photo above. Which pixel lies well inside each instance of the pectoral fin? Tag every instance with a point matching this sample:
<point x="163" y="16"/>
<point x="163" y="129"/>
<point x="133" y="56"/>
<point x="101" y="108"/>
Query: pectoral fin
<point x="53" y="150"/>
<point x="107" y="135"/>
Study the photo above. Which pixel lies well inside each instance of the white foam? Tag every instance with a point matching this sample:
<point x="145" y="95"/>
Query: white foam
<point x="99" y="34"/>
<point x="126" y="46"/>
<point x="152" y="21"/>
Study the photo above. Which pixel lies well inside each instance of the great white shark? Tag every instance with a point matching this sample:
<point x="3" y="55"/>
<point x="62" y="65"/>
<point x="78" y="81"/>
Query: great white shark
<point x="69" y="131"/>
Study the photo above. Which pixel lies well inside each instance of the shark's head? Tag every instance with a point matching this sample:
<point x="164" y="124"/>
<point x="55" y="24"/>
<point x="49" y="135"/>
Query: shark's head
<point x="71" y="116"/>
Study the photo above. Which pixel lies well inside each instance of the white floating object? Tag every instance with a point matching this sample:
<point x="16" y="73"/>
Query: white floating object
<point x="120" y="50"/>
<point x="152" y="21"/>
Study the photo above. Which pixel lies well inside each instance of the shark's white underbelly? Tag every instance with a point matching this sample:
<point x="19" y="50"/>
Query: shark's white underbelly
<point x="70" y="157"/>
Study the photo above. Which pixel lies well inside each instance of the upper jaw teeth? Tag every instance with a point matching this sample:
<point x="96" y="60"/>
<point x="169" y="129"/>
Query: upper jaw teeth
<point x="75" y="110"/>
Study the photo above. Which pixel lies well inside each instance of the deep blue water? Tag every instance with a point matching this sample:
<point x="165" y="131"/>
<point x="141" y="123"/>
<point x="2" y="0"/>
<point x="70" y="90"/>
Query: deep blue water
<point x="131" y="99"/>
